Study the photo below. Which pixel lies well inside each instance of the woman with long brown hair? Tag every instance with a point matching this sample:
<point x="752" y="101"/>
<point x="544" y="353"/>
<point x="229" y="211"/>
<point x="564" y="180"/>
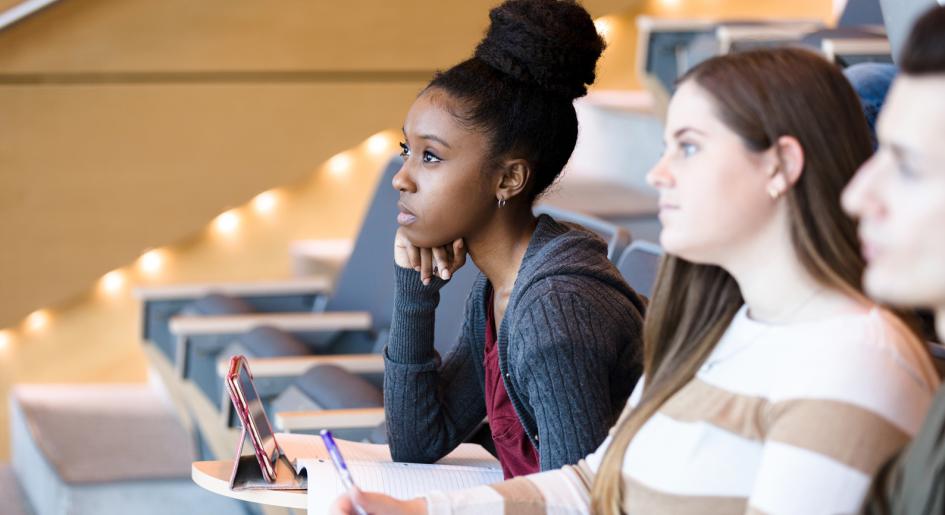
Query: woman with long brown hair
<point x="771" y="384"/>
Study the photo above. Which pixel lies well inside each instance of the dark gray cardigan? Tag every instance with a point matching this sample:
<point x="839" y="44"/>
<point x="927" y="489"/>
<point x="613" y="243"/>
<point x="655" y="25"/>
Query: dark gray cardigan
<point x="569" y="351"/>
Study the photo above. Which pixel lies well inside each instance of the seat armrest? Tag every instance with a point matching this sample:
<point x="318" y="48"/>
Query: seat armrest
<point x="292" y="322"/>
<point x="294" y="366"/>
<point x="299" y="286"/>
<point x="360" y="418"/>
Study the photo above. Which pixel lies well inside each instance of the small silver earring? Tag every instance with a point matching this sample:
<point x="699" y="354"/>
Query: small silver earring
<point x="501" y="203"/>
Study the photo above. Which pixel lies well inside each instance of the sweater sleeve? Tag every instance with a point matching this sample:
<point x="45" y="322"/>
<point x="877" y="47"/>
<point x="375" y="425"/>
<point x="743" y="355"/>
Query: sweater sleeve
<point x="429" y="409"/>
<point x="571" y="353"/>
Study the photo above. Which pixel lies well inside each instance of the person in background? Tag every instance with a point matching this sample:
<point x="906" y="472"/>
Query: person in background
<point x="871" y="81"/>
<point x="899" y="199"/>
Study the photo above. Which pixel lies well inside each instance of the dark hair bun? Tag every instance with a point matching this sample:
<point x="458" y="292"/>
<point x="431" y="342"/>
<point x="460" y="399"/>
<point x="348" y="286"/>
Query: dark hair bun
<point x="552" y="43"/>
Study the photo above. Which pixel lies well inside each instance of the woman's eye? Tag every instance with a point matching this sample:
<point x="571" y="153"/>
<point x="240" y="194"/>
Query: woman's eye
<point x="404" y="150"/>
<point x="688" y="149"/>
<point x="907" y="172"/>
<point x="905" y="169"/>
<point x="429" y="157"/>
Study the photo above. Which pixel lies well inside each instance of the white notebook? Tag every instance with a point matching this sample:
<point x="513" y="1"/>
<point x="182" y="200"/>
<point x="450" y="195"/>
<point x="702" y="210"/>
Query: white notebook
<point x="468" y="466"/>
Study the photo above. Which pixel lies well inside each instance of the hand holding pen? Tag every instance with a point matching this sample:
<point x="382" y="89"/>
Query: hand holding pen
<point x="341" y="467"/>
<point x="356" y="501"/>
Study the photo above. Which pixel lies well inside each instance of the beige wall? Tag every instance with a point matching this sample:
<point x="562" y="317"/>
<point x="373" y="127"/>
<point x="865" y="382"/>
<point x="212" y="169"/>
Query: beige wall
<point x="179" y="35"/>
<point x="94" y="175"/>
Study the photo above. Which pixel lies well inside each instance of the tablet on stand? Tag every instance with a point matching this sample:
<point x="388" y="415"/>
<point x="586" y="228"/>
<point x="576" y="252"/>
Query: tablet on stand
<point x="267" y="468"/>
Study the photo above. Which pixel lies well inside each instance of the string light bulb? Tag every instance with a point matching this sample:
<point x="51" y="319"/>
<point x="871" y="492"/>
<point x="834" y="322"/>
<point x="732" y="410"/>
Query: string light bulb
<point x="266" y="202"/>
<point x="151" y="262"/>
<point x="340" y="164"/>
<point x="227" y="223"/>
<point x="6" y="340"/>
<point x="378" y="144"/>
<point x="113" y="282"/>
<point x="37" y="321"/>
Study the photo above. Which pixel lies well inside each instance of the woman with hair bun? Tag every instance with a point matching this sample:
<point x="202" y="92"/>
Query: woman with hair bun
<point x="550" y="346"/>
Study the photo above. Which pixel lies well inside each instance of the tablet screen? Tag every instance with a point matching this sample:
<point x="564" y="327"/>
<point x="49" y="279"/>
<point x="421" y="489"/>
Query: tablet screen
<point x="257" y="414"/>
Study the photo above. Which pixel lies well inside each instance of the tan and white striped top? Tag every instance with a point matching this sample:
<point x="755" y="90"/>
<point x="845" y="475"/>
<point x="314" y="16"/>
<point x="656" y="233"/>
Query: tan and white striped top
<point x="781" y="419"/>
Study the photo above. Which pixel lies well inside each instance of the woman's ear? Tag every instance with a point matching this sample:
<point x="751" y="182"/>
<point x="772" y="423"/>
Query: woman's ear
<point x="790" y="164"/>
<point x="514" y="179"/>
<point x="792" y="158"/>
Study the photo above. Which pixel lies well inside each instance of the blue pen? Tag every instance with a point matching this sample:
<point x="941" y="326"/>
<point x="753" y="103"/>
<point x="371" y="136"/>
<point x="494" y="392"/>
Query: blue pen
<point x="340" y="466"/>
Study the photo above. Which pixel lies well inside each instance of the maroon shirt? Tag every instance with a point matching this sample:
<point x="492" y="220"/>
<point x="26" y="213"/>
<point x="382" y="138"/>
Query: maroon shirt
<point x="516" y="453"/>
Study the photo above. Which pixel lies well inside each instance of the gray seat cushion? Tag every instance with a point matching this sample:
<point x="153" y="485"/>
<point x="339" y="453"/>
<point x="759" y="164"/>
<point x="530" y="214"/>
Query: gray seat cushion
<point x="332" y="387"/>
<point x="216" y="304"/>
<point x="269" y="342"/>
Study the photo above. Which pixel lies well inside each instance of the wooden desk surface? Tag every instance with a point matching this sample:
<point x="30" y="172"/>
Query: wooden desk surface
<point x="215" y="477"/>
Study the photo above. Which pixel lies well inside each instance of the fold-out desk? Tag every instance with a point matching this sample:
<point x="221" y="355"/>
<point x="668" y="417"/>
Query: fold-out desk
<point x="215" y="477"/>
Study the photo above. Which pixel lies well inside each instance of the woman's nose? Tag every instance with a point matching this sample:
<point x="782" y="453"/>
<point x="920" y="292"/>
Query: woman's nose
<point x="659" y="176"/>
<point x="402" y="181"/>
